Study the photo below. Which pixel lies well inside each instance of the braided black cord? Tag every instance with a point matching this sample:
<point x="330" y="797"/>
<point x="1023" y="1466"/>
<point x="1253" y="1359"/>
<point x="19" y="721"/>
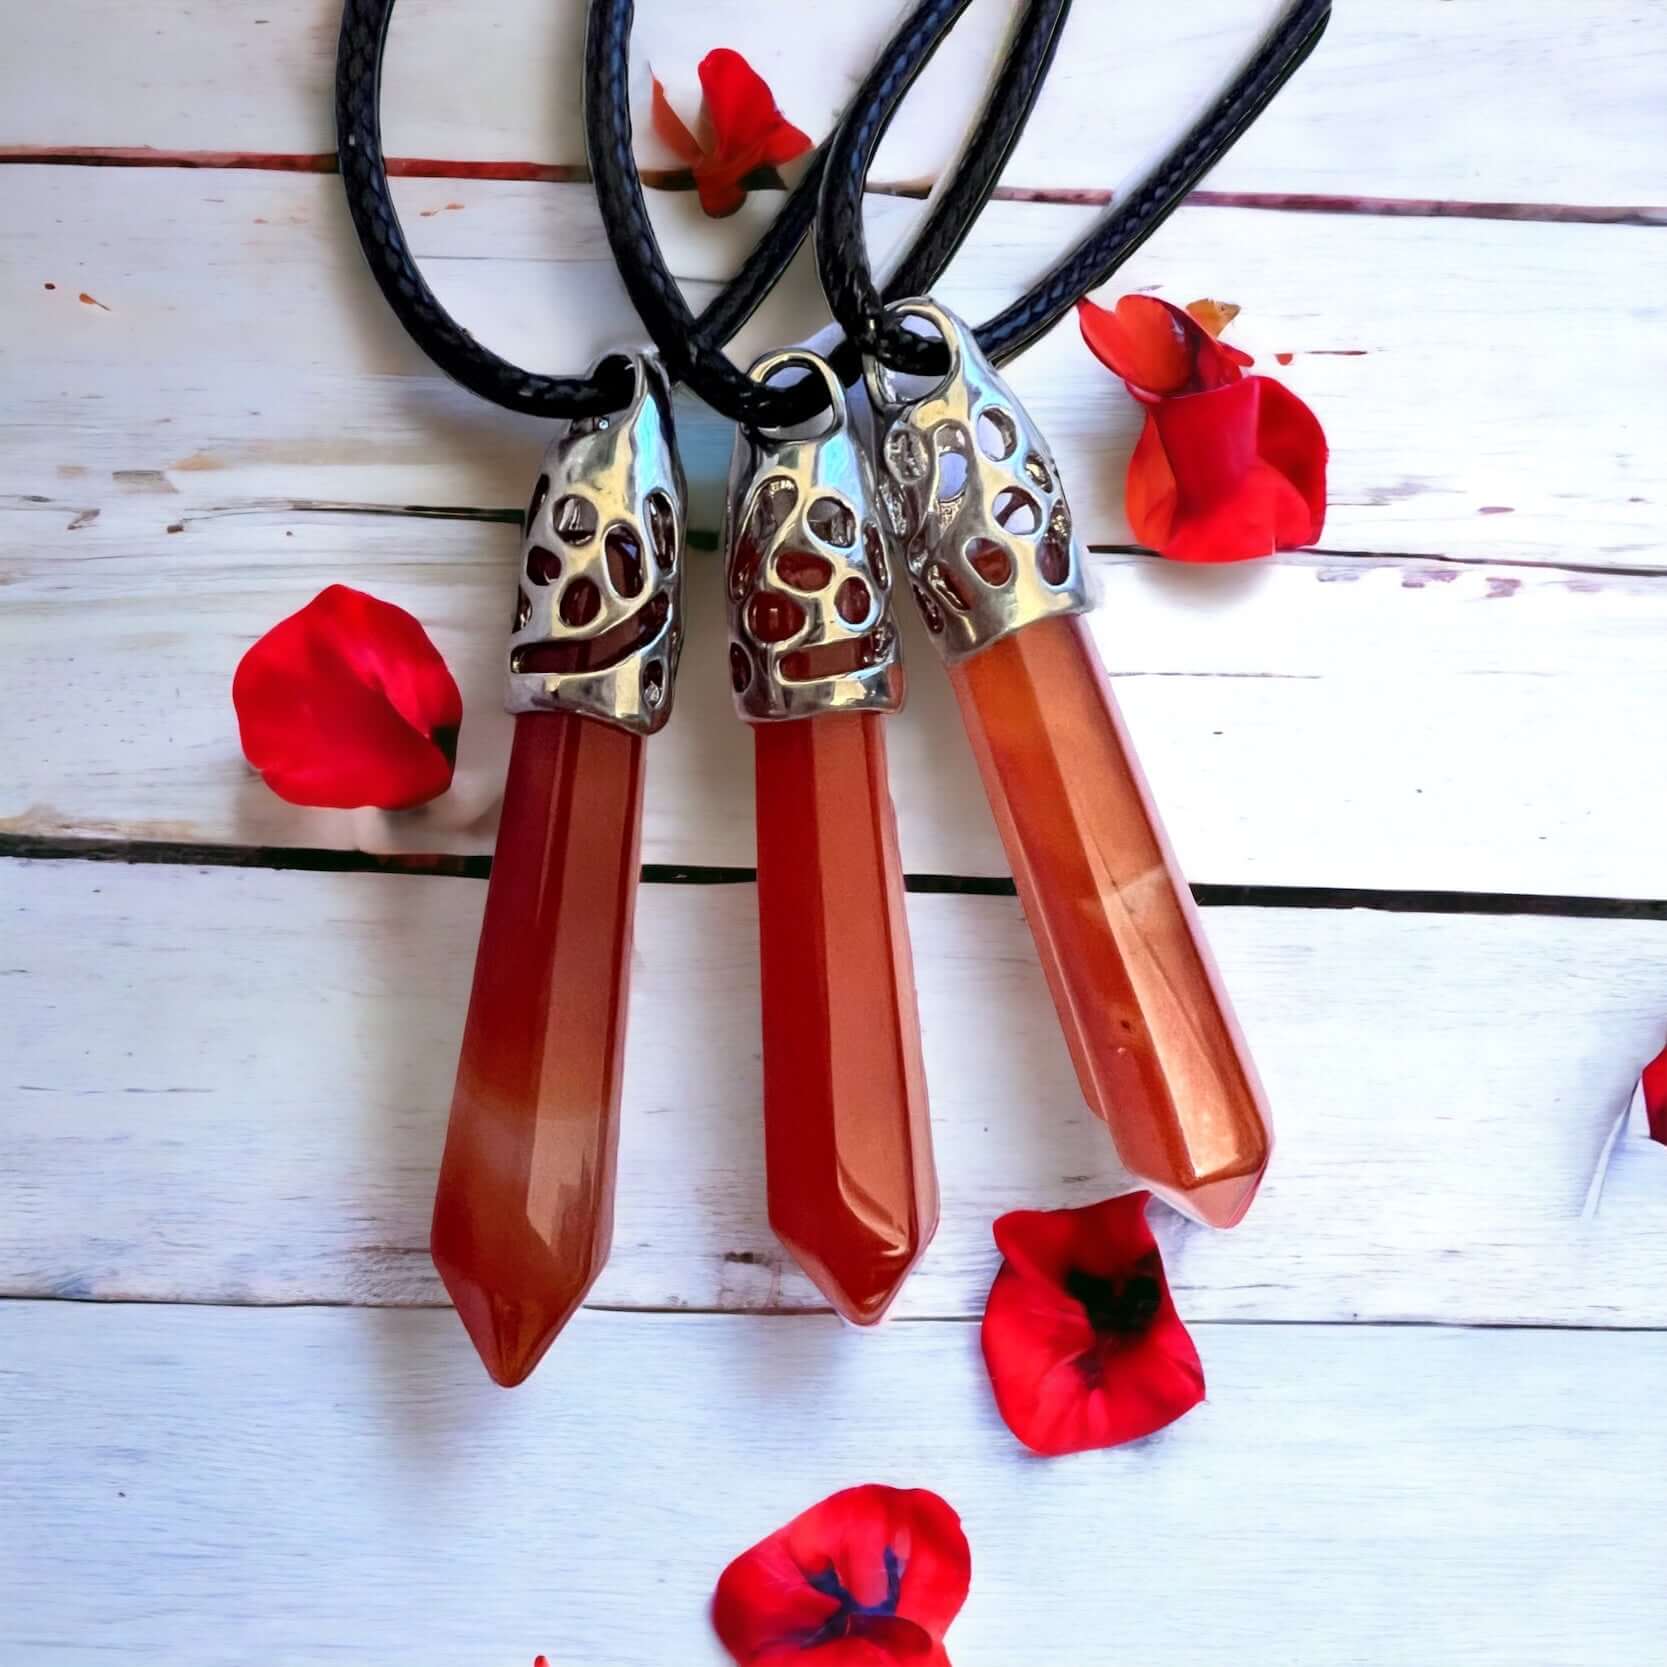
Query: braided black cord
<point x="692" y="354"/>
<point x="364" y="34"/>
<point x="842" y="252"/>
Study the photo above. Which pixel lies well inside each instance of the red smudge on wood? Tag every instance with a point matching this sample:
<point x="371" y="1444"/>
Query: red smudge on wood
<point x="87" y="300"/>
<point x="680" y="179"/>
<point x="1434" y="208"/>
<point x="49" y="286"/>
<point x="1284" y="358"/>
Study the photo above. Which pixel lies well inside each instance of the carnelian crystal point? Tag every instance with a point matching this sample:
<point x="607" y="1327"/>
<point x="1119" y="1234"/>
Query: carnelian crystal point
<point x="1147" y="1021"/>
<point x="847" y="1138"/>
<point x="523" y="1216"/>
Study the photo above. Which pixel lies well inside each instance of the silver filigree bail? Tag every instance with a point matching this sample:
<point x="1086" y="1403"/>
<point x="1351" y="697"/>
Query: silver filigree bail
<point x="972" y="489"/>
<point x="808" y="563"/>
<point x="599" y="602"/>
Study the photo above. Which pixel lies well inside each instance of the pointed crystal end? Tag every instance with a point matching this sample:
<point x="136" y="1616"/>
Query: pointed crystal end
<point x="847" y="1137"/>
<point x="523" y="1213"/>
<point x="1145" y="1015"/>
<point x="859" y="1274"/>
<point x="511" y="1331"/>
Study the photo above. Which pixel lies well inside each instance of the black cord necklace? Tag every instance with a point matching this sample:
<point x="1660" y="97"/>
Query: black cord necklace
<point x="692" y="348"/>
<point x="842" y="255"/>
<point x="972" y="496"/>
<point x="523" y="1207"/>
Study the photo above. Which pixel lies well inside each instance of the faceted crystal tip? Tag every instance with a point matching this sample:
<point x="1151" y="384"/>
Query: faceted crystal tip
<point x="510" y="1332"/>
<point x="847" y="1135"/>
<point x="1145" y="1015"/>
<point x="861" y="1280"/>
<point x="523" y="1212"/>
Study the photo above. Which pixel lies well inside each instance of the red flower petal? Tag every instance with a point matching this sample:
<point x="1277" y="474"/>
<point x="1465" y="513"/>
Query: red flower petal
<point x="748" y="131"/>
<point x="746" y="121"/>
<point x="669" y="125"/>
<point x="348" y="703"/>
<point x="1242" y="474"/>
<point x="870" y="1575"/>
<point x="1080" y="1335"/>
<point x="1654" y="1080"/>
<point x="1157" y="349"/>
<point x="1149" y="490"/>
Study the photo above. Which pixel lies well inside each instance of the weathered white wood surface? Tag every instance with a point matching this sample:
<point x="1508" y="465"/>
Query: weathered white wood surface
<point x="1317" y="721"/>
<point x="312" y="1485"/>
<point x="1538" y="103"/>
<point x="228" y="1086"/>
<point x="242" y="1096"/>
<point x="1451" y="706"/>
<point x="1467" y="417"/>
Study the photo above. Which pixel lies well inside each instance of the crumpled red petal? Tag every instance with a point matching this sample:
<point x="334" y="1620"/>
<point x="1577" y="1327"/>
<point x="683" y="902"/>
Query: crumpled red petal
<point x="1159" y="350"/>
<point x="348" y="703"/>
<point x="1654" y="1083"/>
<point x="1080" y="1336"/>
<point x="1228" y="475"/>
<point x="672" y="129"/>
<point x="748" y="131"/>
<point x="872" y="1574"/>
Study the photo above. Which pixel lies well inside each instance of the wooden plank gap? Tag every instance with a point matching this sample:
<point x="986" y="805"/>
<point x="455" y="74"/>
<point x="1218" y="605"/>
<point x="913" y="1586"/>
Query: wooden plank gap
<point x="446" y="865"/>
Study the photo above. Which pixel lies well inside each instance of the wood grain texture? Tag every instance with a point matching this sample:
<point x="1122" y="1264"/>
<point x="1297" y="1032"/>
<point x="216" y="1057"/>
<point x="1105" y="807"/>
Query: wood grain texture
<point x="1533" y="103"/>
<point x="311" y="1486"/>
<point x="1442" y="442"/>
<point x="239" y="1095"/>
<point x="1316" y="721"/>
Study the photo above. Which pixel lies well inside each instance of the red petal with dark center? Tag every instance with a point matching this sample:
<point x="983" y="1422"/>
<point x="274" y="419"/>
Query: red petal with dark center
<point x="871" y="1575"/>
<point x="348" y="703"/>
<point x="1081" y="1337"/>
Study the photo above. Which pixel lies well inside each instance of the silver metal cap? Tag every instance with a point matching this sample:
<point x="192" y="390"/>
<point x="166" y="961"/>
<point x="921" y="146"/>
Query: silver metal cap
<point x="808" y="561"/>
<point x="599" y="602"/>
<point x="972" y="489"/>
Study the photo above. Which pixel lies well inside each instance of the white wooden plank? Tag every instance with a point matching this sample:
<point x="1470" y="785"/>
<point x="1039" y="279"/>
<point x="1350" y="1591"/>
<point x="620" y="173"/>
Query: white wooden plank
<point x="223" y="1486"/>
<point x="1387" y="320"/>
<point x="232" y="1086"/>
<point x="1406" y="98"/>
<point x="1320" y="721"/>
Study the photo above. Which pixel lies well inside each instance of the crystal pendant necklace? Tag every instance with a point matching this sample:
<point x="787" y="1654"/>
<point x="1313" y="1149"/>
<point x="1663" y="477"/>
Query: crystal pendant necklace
<point x="524" y="1206"/>
<point x="997" y="572"/>
<point x="815" y="666"/>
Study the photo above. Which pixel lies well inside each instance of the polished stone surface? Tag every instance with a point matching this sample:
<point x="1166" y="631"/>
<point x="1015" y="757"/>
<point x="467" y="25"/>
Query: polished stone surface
<point x="1149" y="1026"/>
<point x="848" y="1143"/>
<point x="523" y="1216"/>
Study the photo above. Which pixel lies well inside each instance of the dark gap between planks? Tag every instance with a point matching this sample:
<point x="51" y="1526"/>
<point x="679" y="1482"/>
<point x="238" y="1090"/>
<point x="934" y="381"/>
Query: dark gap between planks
<point x="312" y="859"/>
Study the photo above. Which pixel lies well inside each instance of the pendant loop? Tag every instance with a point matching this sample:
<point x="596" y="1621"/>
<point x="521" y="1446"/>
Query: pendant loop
<point x="971" y="486"/>
<point x="809" y="559"/>
<point x="599" y="602"/>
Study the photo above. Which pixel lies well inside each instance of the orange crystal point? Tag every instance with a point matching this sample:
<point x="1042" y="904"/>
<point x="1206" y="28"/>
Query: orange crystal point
<point x="1150" y="1030"/>
<point x="524" y="1212"/>
<point x="847" y="1138"/>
